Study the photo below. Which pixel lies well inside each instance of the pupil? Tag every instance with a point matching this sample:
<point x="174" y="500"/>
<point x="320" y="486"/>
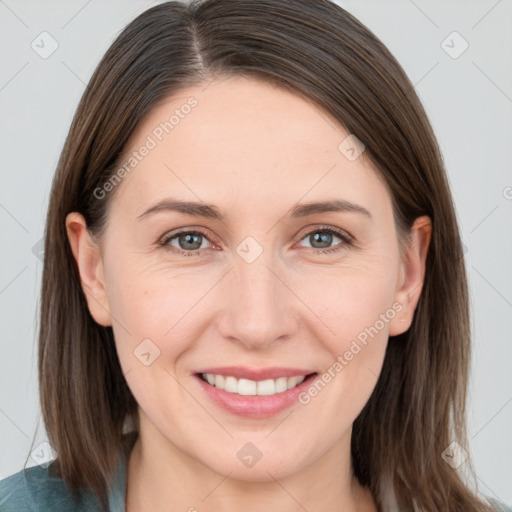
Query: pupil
<point x="325" y="240"/>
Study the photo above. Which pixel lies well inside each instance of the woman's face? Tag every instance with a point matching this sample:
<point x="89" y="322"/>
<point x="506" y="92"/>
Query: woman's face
<point x="250" y="282"/>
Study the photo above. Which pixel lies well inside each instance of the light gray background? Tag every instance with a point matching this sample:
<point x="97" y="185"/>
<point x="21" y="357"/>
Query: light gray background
<point x="469" y="102"/>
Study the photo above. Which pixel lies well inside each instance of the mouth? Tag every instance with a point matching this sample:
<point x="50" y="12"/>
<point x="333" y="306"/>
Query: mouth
<point x="254" y="393"/>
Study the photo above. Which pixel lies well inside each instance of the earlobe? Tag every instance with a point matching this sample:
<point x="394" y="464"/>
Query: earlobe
<point x="411" y="275"/>
<point x="90" y="267"/>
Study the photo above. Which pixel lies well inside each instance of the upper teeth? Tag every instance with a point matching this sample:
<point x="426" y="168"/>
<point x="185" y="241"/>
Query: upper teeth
<point x="252" y="387"/>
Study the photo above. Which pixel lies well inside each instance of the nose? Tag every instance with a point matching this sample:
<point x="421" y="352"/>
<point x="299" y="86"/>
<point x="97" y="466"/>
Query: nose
<point x="258" y="306"/>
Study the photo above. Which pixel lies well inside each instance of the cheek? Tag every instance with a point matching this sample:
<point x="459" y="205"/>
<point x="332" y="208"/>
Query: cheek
<point x="152" y="331"/>
<point x="155" y="311"/>
<point x="355" y="307"/>
<point x="350" y="300"/>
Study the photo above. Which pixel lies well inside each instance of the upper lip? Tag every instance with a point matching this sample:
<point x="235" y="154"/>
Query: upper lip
<point x="241" y="372"/>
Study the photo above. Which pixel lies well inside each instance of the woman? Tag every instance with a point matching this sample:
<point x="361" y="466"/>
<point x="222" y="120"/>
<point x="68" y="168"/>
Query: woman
<point x="254" y="294"/>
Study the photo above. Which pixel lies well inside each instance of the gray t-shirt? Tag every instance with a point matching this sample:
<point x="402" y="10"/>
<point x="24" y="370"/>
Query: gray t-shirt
<point x="35" y="489"/>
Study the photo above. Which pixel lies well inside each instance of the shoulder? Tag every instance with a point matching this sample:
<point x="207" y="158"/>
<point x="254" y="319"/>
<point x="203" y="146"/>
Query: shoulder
<point x="36" y="489"/>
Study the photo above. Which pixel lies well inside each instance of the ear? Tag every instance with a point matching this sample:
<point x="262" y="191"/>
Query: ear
<point x="411" y="274"/>
<point x="90" y="267"/>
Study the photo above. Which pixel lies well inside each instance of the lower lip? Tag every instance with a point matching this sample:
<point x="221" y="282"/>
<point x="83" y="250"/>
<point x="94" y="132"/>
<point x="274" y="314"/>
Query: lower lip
<point x="254" y="406"/>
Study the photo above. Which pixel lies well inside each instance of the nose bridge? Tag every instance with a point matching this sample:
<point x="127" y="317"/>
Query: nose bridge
<point x="259" y="308"/>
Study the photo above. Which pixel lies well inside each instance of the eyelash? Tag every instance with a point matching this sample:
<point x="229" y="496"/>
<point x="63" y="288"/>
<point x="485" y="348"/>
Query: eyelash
<point x="347" y="241"/>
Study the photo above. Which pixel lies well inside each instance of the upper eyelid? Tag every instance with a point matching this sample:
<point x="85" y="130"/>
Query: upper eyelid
<point x="334" y="230"/>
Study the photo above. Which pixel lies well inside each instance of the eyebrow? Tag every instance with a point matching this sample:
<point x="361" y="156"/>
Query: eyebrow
<point x="199" y="209"/>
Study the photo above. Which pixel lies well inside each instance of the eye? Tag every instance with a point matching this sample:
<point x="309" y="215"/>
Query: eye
<point x="321" y="239"/>
<point x="187" y="243"/>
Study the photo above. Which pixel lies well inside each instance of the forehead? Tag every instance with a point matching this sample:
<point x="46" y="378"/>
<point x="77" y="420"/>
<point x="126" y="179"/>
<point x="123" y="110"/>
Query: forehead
<point x="242" y="139"/>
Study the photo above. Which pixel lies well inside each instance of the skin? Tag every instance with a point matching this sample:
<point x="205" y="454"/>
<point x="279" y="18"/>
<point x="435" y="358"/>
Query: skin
<point x="254" y="151"/>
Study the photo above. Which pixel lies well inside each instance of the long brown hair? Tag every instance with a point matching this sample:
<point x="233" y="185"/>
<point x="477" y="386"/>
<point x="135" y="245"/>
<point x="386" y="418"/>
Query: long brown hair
<point x="320" y="51"/>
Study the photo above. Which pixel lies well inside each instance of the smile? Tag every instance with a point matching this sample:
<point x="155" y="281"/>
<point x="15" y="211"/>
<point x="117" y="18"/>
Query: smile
<point x="248" y="387"/>
<point x="251" y="392"/>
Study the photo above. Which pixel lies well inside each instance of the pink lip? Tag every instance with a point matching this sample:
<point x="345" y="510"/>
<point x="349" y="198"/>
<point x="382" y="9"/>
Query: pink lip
<point x="240" y="372"/>
<point x="254" y="406"/>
